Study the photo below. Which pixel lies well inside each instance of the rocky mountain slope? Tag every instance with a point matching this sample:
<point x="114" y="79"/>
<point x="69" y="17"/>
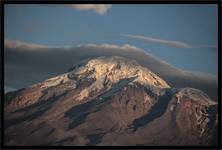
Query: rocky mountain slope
<point x="109" y="101"/>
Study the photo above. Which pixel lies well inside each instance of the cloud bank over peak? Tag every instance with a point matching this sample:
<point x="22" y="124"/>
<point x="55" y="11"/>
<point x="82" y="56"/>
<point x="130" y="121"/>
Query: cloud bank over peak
<point x="100" y="9"/>
<point x="125" y="47"/>
<point x="35" y="64"/>
<point x="13" y="44"/>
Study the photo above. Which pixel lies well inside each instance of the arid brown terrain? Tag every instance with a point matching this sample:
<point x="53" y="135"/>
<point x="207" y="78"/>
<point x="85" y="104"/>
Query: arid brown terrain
<point x="109" y="101"/>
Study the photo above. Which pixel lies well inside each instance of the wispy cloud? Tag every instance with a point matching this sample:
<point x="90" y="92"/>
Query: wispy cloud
<point x="176" y="44"/>
<point x="22" y="45"/>
<point x="100" y="9"/>
<point x="125" y="47"/>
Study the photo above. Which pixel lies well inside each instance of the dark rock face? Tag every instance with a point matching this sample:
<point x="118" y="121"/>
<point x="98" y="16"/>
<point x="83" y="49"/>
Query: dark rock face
<point x="125" y="112"/>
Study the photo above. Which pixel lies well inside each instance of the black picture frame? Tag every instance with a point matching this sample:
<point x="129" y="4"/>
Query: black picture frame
<point x="147" y="2"/>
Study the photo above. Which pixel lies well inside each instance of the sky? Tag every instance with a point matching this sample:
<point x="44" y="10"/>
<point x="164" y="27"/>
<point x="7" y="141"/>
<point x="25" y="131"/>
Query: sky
<point x="182" y="35"/>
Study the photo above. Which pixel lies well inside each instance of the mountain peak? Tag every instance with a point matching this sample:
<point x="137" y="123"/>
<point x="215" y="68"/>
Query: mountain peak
<point x="105" y="98"/>
<point x="105" y="72"/>
<point x="116" y="68"/>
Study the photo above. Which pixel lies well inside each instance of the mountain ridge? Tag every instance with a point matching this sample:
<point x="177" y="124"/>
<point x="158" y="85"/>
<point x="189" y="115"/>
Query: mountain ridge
<point x="131" y="99"/>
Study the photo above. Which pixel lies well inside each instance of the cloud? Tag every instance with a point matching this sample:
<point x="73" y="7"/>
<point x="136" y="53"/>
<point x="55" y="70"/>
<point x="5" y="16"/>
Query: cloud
<point x="176" y="44"/>
<point x="26" y="64"/>
<point x="125" y="47"/>
<point x="22" y="45"/>
<point x="19" y="45"/>
<point x="100" y="9"/>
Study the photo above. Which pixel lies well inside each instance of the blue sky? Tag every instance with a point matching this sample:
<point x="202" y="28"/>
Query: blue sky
<point x="59" y="25"/>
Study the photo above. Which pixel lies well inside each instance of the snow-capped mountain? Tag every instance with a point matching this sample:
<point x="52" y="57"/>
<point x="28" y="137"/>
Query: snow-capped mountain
<point x="109" y="101"/>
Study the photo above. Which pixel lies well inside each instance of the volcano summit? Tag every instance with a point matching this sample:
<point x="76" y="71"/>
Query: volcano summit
<point x="109" y="101"/>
